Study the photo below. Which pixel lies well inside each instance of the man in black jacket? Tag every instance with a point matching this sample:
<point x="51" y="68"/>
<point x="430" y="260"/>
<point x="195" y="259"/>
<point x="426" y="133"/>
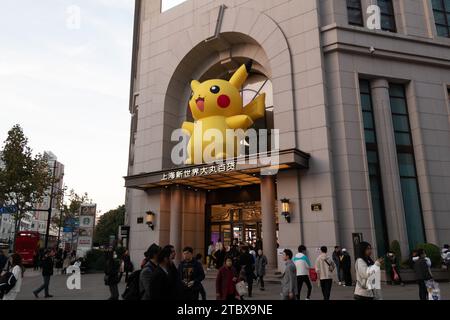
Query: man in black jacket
<point x="191" y="274"/>
<point x="160" y="287"/>
<point x="47" y="272"/>
<point x="422" y="266"/>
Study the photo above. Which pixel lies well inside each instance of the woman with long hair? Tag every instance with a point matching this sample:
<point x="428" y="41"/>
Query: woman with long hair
<point x="17" y="270"/>
<point x="365" y="270"/>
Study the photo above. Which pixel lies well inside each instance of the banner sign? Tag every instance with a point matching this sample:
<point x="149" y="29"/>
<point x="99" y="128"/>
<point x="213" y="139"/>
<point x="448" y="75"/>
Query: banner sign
<point x="86" y="228"/>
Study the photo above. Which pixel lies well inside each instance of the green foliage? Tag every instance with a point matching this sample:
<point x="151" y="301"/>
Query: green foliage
<point x="24" y="178"/>
<point x="395" y="248"/>
<point x="433" y="252"/>
<point x="108" y="225"/>
<point x="72" y="209"/>
<point x="95" y="260"/>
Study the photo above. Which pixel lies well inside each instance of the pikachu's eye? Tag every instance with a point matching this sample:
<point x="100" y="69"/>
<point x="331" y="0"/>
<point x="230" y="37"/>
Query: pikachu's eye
<point x="215" y="89"/>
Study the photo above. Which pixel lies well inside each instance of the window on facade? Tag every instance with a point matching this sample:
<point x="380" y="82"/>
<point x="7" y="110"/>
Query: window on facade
<point x="407" y="166"/>
<point x="441" y="10"/>
<point x="354" y="11"/>
<point x="379" y="215"/>
<point x="387" y="15"/>
<point x="169" y="4"/>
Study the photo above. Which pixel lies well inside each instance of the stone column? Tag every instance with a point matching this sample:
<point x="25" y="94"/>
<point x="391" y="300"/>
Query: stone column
<point x="390" y="176"/>
<point x="176" y="217"/>
<point x="268" y="220"/>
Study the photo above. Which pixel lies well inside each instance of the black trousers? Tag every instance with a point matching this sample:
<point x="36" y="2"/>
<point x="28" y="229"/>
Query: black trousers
<point x="261" y="281"/>
<point x="44" y="286"/>
<point x="114" y="289"/>
<point x="300" y="281"/>
<point x="326" y="288"/>
<point x="423" y="292"/>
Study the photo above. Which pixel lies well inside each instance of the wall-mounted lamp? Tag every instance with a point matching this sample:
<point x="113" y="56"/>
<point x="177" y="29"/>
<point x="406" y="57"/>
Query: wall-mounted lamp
<point x="150" y="220"/>
<point x="286" y="209"/>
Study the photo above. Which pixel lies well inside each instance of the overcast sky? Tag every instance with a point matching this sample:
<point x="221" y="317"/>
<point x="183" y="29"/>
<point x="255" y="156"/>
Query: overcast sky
<point x="65" y="80"/>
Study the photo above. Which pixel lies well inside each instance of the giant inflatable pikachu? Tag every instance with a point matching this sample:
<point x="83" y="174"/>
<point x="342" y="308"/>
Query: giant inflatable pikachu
<point x="217" y="104"/>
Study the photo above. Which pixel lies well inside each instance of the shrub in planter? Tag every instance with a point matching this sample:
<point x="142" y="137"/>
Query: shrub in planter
<point x="433" y="252"/>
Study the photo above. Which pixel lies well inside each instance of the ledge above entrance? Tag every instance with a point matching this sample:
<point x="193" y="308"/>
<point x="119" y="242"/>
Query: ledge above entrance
<point x="231" y="173"/>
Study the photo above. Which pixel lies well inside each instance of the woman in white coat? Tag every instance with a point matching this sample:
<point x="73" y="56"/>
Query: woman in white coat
<point x="17" y="270"/>
<point x="367" y="274"/>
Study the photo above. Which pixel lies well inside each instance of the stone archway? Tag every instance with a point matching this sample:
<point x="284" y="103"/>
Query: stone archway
<point x="245" y="33"/>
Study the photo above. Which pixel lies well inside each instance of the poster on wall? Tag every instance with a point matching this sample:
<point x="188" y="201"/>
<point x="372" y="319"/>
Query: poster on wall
<point x="86" y="228"/>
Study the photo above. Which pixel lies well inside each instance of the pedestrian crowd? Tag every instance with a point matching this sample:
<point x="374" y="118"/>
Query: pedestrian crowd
<point x="238" y="267"/>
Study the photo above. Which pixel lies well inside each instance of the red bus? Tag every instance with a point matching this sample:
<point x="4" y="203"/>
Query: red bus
<point x="27" y="244"/>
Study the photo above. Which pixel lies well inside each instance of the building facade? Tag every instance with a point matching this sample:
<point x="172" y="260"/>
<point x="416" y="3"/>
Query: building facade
<point x="40" y="217"/>
<point x="364" y="120"/>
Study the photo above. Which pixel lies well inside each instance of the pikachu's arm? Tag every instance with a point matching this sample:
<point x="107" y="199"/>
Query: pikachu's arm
<point x="257" y="108"/>
<point x="188" y="128"/>
<point x="239" y="122"/>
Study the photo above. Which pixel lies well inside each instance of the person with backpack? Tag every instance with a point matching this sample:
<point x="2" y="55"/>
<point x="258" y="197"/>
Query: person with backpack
<point x="422" y="265"/>
<point x="302" y="265"/>
<point x="191" y="274"/>
<point x="367" y="272"/>
<point x="47" y="265"/>
<point x="11" y="287"/>
<point x="112" y="270"/>
<point x="325" y="268"/>
<point x="147" y="270"/>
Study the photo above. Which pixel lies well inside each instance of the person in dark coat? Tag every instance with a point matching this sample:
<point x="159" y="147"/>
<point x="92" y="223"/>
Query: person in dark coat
<point x="226" y="282"/>
<point x="246" y="264"/>
<point x="3" y="260"/>
<point x="337" y="261"/>
<point x="191" y="274"/>
<point x="219" y="257"/>
<point x="146" y="273"/>
<point x="161" y="288"/>
<point x="422" y="265"/>
<point x="112" y="271"/>
<point x="346" y="266"/>
<point x="47" y="271"/>
<point x="127" y="265"/>
<point x="260" y="268"/>
<point x="392" y="269"/>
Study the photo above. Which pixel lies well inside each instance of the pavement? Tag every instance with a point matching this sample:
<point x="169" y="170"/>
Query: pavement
<point x="93" y="288"/>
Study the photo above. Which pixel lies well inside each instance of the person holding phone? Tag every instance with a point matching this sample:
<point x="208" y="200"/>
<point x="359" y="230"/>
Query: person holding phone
<point x="366" y="270"/>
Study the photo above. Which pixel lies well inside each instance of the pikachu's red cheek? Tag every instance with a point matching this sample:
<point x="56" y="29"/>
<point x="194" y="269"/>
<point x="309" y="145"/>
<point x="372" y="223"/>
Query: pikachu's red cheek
<point x="223" y="101"/>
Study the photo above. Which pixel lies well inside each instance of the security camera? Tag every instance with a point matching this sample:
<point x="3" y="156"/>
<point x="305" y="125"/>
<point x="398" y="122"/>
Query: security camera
<point x="372" y="50"/>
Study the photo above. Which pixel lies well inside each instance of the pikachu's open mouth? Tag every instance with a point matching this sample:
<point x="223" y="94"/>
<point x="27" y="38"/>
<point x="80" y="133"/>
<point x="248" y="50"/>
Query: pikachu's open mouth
<point x="200" y="104"/>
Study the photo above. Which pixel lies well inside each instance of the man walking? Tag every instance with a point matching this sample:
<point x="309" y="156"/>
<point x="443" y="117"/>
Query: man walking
<point x="325" y="268"/>
<point x="47" y="272"/>
<point x="191" y="274"/>
<point x="289" y="280"/>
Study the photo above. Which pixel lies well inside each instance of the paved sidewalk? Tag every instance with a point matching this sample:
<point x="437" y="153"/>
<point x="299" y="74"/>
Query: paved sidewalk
<point x="93" y="288"/>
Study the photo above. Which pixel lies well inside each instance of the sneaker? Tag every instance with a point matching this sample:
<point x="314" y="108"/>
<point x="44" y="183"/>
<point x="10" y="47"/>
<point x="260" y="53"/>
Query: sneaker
<point x="49" y="296"/>
<point x="307" y="299"/>
<point x="36" y="295"/>
<point x="262" y="289"/>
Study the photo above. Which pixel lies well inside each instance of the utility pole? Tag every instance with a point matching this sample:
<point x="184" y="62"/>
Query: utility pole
<point x="47" y="233"/>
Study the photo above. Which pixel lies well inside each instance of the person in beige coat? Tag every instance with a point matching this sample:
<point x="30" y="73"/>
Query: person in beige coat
<point x="325" y="269"/>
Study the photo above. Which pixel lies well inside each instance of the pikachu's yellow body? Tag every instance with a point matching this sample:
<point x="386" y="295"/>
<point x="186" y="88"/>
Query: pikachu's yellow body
<point x="217" y="104"/>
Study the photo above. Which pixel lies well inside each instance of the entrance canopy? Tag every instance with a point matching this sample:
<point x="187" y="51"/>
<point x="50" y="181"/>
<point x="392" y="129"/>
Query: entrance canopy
<point x="231" y="173"/>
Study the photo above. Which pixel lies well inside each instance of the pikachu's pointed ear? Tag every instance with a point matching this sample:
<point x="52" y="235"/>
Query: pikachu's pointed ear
<point x="194" y="85"/>
<point x="239" y="77"/>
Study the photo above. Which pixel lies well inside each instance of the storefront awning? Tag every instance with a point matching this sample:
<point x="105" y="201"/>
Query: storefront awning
<point x="231" y="173"/>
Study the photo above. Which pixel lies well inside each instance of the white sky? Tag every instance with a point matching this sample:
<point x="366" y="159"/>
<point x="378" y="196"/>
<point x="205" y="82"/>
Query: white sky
<point x="168" y="4"/>
<point x="68" y="87"/>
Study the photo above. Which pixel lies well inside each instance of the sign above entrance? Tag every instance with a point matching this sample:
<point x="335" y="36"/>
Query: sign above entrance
<point x="199" y="172"/>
